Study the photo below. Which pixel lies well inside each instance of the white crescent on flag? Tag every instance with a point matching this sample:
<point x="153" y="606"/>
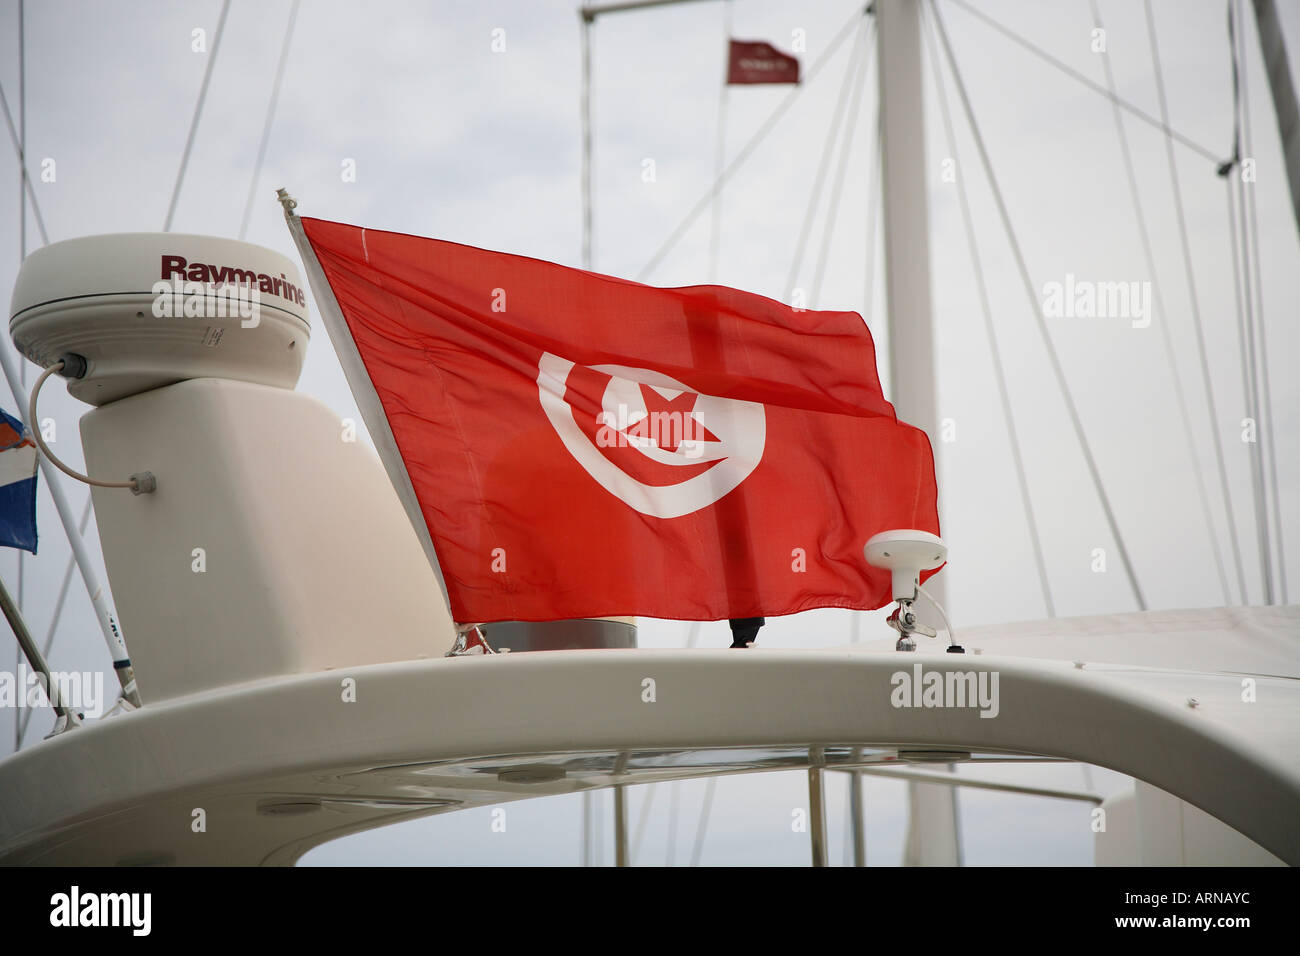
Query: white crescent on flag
<point x="727" y="432"/>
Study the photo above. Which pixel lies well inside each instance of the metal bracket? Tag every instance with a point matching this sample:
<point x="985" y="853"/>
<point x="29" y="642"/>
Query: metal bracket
<point x="470" y="641"/>
<point x="287" y="201"/>
<point x="68" y="720"/>
<point x="905" y="622"/>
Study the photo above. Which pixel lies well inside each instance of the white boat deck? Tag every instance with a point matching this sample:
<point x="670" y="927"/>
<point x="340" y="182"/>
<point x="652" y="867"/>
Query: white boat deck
<point x="281" y="765"/>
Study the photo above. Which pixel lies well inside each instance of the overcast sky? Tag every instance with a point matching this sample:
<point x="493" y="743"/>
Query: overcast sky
<point x="452" y="139"/>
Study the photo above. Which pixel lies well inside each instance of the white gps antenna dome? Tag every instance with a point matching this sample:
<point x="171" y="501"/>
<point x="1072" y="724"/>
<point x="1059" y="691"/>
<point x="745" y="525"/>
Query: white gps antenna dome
<point x="905" y="553"/>
<point x="135" y="311"/>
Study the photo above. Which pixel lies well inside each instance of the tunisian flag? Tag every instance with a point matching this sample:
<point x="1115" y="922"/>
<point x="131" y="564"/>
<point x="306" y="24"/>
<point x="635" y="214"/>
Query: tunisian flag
<point x="754" y="61"/>
<point x="584" y="446"/>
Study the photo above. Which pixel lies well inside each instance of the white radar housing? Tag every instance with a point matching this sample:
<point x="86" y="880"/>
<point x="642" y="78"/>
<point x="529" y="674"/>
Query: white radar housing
<point x="150" y="309"/>
<point x="905" y="553"/>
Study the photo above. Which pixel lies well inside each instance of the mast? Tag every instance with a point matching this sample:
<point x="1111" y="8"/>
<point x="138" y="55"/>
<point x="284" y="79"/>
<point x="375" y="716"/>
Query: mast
<point x="1288" y="121"/>
<point x="906" y="216"/>
<point x="906" y="222"/>
<point x="1284" y="101"/>
<point x="932" y="827"/>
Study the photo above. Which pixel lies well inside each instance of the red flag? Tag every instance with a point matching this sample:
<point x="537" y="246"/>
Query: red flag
<point x="585" y="446"/>
<point x="753" y="61"/>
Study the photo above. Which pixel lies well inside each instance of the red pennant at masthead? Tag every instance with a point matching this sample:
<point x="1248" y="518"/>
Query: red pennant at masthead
<point x="753" y="61"/>
<point x="584" y="446"/>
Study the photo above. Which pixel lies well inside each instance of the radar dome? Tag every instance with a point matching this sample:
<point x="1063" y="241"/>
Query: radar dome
<point x="149" y="309"/>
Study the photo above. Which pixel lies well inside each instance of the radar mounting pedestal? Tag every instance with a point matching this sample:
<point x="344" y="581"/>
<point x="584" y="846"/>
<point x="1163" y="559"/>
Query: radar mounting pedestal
<point x="905" y="553"/>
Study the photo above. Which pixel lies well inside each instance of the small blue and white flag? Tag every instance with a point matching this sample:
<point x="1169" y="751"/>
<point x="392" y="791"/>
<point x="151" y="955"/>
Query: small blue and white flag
<point x="17" y="485"/>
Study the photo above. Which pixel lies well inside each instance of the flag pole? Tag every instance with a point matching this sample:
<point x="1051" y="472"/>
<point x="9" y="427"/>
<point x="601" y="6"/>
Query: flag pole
<point x="107" y="620"/>
<point x="66" y="718"/>
<point x="363" y="389"/>
<point x="588" y="18"/>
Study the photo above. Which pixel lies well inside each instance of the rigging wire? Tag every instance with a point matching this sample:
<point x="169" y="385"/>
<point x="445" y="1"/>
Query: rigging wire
<point x="22" y="180"/>
<point x="874" y="186"/>
<point x="719" y="151"/>
<point x="1162" y="125"/>
<point x="270" y="118"/>
<point x="19" y="147"/>
<point x="823" y="165"/>
<point x="855" y="622"/>
<point x="832" y="210"/>
<point x="1241" y="299"/>
<point x="19" y="139"/>
<point x="198" y="112"/>
<point x="22" y="254"/>
<point x="635" y="847"/>
<point x="18" y="136"/>
<point x="990" y="331"/>
<point x="747" y="150"/>
<point x="67" y="578"/>
<point x="1193" y="297"/>
<point x="692" y="635"/>
<point x="22" y="161"/>
<point x="1040" y="322"/>
<point x="1263" y="393"/>
<point x="20" y="150"/>
<point x="670" y="852"/>
<point x="703" y="827"/>
<point x="1167" y="341"/>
